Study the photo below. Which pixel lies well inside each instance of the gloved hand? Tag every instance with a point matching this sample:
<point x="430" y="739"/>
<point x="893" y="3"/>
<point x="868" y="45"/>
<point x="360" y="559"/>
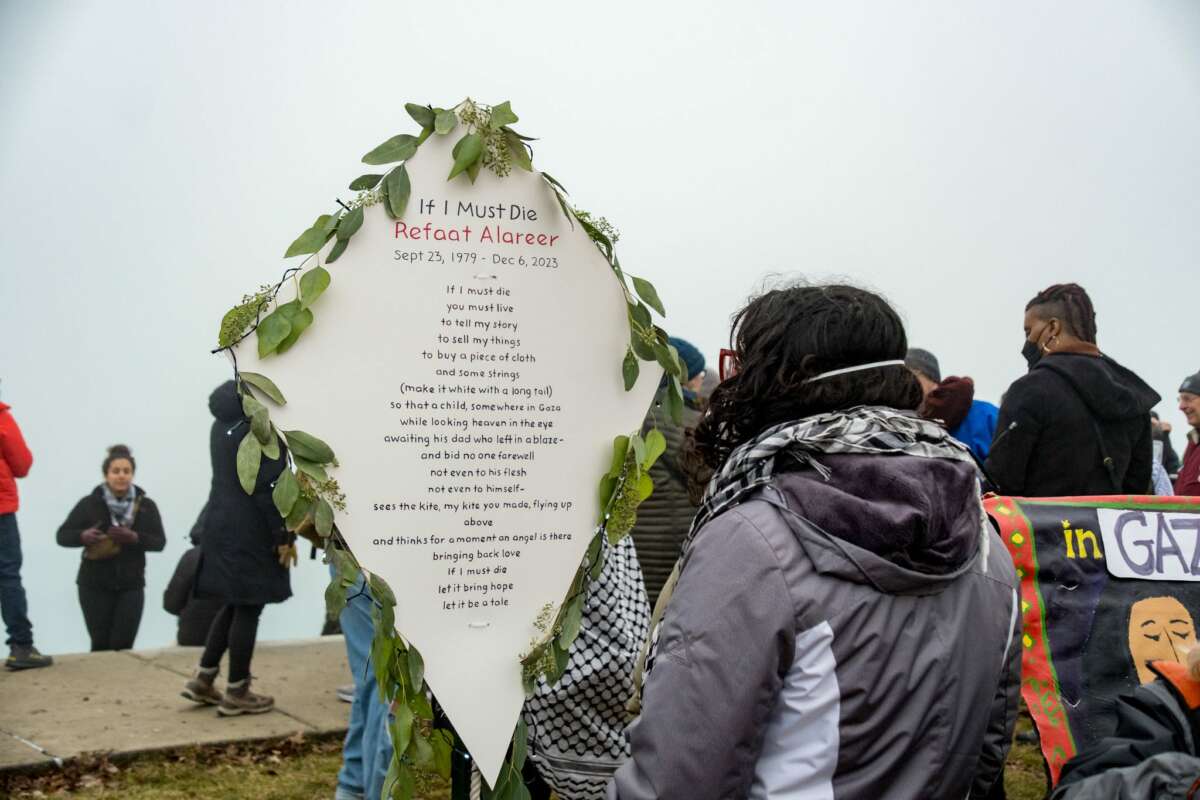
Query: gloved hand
<point x="287" y="555"/>
<point x="91" y="536"/>
<point x="122" y="535"/>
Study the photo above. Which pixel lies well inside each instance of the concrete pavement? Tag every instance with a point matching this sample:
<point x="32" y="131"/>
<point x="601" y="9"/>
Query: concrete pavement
<point x="128" y="702"/>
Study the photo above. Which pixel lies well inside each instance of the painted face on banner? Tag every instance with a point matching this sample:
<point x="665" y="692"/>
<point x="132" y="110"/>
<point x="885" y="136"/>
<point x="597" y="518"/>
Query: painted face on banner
<point x="1160" y="629"/>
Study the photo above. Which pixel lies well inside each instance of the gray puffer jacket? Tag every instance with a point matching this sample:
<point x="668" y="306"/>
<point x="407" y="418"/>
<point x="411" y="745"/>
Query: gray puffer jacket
<point x="856" y="638"/>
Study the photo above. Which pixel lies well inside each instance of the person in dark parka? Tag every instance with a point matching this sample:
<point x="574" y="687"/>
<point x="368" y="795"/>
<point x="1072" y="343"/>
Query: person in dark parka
<point x="196" y="614"/>
<point x="240" y="561"/>
<point x="116" y="525"/>
<point x="665" y="517"/>
<point x="1079" y="422"/>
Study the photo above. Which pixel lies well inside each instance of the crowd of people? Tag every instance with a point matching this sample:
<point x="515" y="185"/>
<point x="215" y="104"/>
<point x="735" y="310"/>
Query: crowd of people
<point x="833" y="616"/>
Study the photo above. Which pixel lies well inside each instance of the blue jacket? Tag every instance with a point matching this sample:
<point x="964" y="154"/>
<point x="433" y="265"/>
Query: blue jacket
<point x="978" y="428"/>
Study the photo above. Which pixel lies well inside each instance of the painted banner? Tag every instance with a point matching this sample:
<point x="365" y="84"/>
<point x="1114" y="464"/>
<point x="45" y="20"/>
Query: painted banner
<point x="1107" y="584"/>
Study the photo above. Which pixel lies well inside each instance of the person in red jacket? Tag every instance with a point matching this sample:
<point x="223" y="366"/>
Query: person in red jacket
<point x="15" y="461"/>
<point x="1188" y="482"/>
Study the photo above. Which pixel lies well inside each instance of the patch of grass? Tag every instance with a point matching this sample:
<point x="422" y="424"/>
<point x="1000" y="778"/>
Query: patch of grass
<point x="300" y="768"/>
<point x="290" y="769"/>
<point x="1024" y="775"/>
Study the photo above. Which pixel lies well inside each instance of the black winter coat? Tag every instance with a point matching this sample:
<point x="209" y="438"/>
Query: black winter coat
<point x="127" y="569"/>
<point x="1151" y="754"/>
<point x="1046" y="442"/>
<point x="664" y="518"/>
<point x="195" y="614"/>
<point x="240" y="564"/>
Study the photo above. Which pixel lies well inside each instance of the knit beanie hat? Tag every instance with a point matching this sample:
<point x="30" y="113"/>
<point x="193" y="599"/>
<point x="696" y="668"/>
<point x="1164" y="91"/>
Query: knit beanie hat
<point x="1191" y="384"/>
<point x="692" y="357"/>
<point x="925" y="363"/>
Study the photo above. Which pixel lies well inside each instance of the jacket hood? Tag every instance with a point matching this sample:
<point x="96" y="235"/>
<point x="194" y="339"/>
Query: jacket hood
<point x="1109" y="390"/>
<point x="225" y="404"/>
<point x="902" y="523"/>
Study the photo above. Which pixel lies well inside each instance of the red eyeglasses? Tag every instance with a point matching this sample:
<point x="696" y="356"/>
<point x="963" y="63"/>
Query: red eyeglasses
<point x="727" y="364"/>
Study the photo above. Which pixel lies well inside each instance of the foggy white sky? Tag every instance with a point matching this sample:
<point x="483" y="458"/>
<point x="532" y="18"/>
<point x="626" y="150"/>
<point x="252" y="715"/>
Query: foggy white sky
<point x="157" y="158"/>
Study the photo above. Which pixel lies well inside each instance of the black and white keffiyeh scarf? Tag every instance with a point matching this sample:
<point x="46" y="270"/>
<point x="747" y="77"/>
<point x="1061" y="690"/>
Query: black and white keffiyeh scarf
<point x="120" y="509"/>
<point x="862" y="429"/>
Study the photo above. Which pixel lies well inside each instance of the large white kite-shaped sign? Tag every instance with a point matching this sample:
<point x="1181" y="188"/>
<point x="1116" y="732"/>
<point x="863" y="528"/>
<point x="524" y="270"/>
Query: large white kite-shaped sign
<point x="467" y="371"/>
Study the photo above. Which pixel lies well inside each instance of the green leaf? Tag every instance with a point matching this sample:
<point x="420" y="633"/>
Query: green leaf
<point x="298" y="514"/>
<point x="675" y="401"/>
<point x="309" y="447"/>
<point x="520" y="745"/>
<point x="260" y="426"/>
<point x="520" y="153"/>
<point x="420" y="750"/>
<point x="645" y="487"/>
<point x="555" y="183"/>
<point x="419" y="703"/>
<point x="272" y="331"/>
<point x="466" y="152"/>
<point x="264" y="385"/>
<point x="364" y="182"/>
<point x="641" y="315"/>
<point x="656" y="445"/>
<point x="285" y="493"/>
<point x="300" y="320"/>
<point x="620" y="449"/>
<point x="335" y="598"/>
<point x="473" y="170"/>
<point x="310" y="468"/>
<point x="445" y="121"/>
<point x="666" y="357"/>
<point x="312" y="239"/>
<point x="598" y="564"/>
<point x="398" y="190"/>
<point x="639" y="448"/>
<point x="608" y="485"/>
<point x="443" y="750"/>
<point x="249" y="454"/>
<point x="352" y="220"/>
<point x="250" y="404"/>
<point x="397" y="148"/>
<point x="270" y="447"/>
<point x="416" y="669"/>
<point x="324" y="517"/>
<point x="630" y="369"/>
<point x="640" y="347"/>
<point x="502" y="115"/>
<point x="336" y="251"/>
<point x="422" y="115"/>
<point x="313" y="284"/>
<point x="572" y="619"/>
<point x="647" y="292"/>
<point x="403" y="728"/>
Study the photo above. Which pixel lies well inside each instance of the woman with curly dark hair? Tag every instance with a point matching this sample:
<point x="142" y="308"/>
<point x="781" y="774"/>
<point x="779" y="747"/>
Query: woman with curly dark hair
<point x="844" y="622"/>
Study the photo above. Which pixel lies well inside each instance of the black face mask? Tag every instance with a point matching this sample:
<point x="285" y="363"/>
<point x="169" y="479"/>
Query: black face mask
<point x="1032" y="353"/>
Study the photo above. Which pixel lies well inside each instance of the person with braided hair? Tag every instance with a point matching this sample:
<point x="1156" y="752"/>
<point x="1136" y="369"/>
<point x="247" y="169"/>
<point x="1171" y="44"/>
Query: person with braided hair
<point x="1078" y="423"/>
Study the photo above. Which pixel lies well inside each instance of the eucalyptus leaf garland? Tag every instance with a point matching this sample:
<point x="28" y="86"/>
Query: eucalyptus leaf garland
<point x="308" y="498"/>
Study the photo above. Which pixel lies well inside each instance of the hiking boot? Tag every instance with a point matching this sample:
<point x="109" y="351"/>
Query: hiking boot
<point x="240" y="700"/>
<point x="200" y="688"/>
<point x="20" y="657"/>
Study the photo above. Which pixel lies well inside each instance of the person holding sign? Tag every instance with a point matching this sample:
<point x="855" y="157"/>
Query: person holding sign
<point x="845" y="622"/>
<point x="1079" y="422"/>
